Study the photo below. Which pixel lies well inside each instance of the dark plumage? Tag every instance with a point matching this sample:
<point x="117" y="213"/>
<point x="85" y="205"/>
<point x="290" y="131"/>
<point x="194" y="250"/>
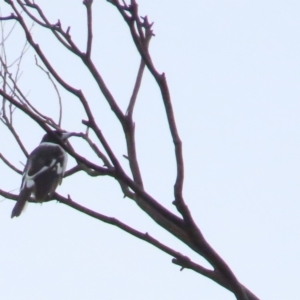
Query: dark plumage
<point x="44" y="170"/>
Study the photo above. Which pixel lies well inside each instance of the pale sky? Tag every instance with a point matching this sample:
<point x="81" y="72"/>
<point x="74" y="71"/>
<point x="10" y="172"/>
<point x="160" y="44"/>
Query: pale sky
<point x="233" y="70"/>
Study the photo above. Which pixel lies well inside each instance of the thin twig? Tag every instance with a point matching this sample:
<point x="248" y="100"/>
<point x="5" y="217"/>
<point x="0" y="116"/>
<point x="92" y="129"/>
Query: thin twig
<point x="56" y="28"/>
<point x="135" y="89"/>
<point x="88" y="5"/>
<point x="17" y="138"/>
<point x="97" y="151"/>
<point x="9" y="164"/>
<point x="56" y="89"/>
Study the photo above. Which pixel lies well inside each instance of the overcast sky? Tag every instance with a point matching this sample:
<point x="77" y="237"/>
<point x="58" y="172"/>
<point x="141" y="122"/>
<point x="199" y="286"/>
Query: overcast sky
<point x="233" y="70"/>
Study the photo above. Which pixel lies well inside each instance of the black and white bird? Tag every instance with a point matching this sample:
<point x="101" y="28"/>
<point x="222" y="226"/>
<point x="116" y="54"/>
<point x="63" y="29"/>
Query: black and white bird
<point x="44" y="170"/>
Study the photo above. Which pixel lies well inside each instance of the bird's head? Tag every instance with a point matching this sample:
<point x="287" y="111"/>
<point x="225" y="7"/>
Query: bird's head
<point x="57" y="136"/>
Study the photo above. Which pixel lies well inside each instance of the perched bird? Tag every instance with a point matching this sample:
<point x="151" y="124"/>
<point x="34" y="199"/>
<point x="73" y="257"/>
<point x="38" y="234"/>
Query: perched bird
<point x="44" y="170"/>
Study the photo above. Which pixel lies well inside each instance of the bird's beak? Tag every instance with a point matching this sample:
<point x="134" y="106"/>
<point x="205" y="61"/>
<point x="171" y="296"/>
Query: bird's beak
<point x="66" y="135"/>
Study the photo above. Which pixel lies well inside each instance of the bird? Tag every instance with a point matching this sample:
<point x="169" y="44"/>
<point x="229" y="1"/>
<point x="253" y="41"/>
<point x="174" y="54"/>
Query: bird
<point x="44" y="170"/>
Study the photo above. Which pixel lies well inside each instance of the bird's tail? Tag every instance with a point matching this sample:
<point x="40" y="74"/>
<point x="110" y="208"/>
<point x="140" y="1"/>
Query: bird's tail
<point x="19" y="206"/>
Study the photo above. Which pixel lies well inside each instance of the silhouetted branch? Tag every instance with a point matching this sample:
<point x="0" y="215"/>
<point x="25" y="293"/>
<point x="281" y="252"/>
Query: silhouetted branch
<point x="88" y="4"/>
<point x="72" y="171"/>
<point x="129" y="129"/>
<point x="61" y="36"/>
<point x="143" y="236"/>
<point x="136" y="88"/>
<point x="97" y="151"/>
<point x="11" y="17"/>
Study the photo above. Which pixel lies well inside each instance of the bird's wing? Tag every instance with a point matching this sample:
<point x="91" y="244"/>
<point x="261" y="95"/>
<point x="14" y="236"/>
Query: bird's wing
<point x="46" y="156"/>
